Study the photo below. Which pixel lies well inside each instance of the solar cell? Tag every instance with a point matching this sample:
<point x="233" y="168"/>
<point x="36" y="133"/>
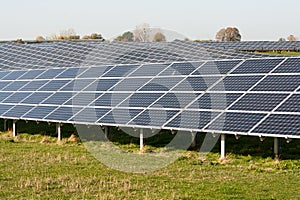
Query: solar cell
<point x="36" y="97"/>
<point x="18" y="111"/>
<point x="235" y="122"/>
<point x="291" y="65"/>
<point x="39" y="112"/>
<point x="257" y="66"/>
<point x="236" y="83"/>
<point x="152" y="118"/>
<point x="192" y="120"/>
<point x="279" y="83"/>
<point x="280" y="125"/>
<point x="292" y="104"/>
<point x="267" y="102"/>
<point x="215" y="101"/>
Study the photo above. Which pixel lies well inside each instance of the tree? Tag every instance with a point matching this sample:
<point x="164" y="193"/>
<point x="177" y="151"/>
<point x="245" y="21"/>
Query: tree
<point x="292" y="38"/>
<point x="86" y="37"/>
<point x="159" y="37"/>
<point x="125" y="37"/>
<point x="67" y="33"/>
<point x="142" y="33"/>
<point x="220" y="36"/>
<point x="39" y="38"/>
<point x="128" y="36"/>
<point x="96" y="36"/>
<point x="281" y="40"/>
<point x="230" y="34"/>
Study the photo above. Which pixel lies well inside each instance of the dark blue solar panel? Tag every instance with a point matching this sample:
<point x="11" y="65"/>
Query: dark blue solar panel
<point x="153" y="117"/>
<point x="14" y="86"/>
<point x="120" y="71"/>
<point x="17" y="111"/>
<point x="111" y="99"/>
<point x="181" y="68"/>
<point x="90" y="115"/>
<point x="217" y="67"/>
<point x="77" y="85"/>
<point x="141" y="100"/>
<point x="39" y="112"/>
<point x="279" y="83"/>
<point x="4" y="108"/>
<point x="3" y="74"/>
<point x="161" y="84"/>
<point x="257" y="66"/>
<point x="82" y="99"/>
<point x="236" y="122"/>
<point x="95" y="72"/>
<point x="214" y="101"/>
<point x="130" y="84"/>
<point x="17" y="97"/>
<point x="175" y="100"/>
<point x="196" y="84"/>
<point x="291" y="105"/>
<point x="102" y="85"/>
<point x="259" y="102"/>
<point x="13" y="75"/>
<point x="50" y="73"/>
<point x="119" y="116"/>
<point x="192" y="119"/>
<point x="33" y="85"/>
<point x="62" y="114"/>
<point x="58" y="98"/>
<point x="31" y="74"/>
<point x="236" y="83"/>
<point x="36" y="98"/>
<point x="291" y="65"/>
<point x="4" y="84"/>
<point x="54" y="85"/>
<point x="280" y="124"/>
<point x="4" y="95"/>
<point x="149" y="70"/>
<point x="69" y="73"/>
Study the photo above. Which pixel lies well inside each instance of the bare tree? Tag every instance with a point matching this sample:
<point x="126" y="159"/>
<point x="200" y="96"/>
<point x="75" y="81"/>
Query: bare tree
<point x="159" y="37"/>
<point x="220" y="36"/>
<point x="292" y="38"/>
<point x="142" y="33"/>
<point x="66" y="34"/>
<point x="52" y="37"/>
<point x="230" y="34"/>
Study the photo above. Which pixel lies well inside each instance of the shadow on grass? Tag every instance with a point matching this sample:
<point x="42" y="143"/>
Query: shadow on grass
<point x="244" y="146"/>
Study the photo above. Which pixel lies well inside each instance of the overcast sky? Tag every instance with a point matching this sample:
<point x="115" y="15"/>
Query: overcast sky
<point x="195" y="19"/>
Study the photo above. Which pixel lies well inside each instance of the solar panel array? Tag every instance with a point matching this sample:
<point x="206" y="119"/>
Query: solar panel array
<point x="74" y="54"/>
<point x="239" y="96"/>
<point x="256" y="45"/>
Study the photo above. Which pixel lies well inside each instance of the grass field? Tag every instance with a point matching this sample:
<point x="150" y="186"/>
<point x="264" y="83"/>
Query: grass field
<point x="281" y="53"/>
<point x="37" y="167"/>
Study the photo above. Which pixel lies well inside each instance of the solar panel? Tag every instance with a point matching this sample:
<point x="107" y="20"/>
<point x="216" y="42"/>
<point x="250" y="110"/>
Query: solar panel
<point x="218" y="91"/>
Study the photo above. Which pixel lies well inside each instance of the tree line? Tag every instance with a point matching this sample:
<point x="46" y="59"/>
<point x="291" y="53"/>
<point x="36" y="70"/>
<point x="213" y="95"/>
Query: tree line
<point x="145" y="33"/>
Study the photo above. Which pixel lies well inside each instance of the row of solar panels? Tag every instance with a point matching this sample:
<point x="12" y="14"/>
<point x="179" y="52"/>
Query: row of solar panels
<point x="253" y="96"/>
<point x="240" y="46"/>
<point x="73" y="54"/>
<point x="256" y="45"/>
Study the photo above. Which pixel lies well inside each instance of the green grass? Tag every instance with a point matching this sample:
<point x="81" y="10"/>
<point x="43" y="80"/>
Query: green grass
<point x="281" y="53"/>
<point x="37" y="167"/>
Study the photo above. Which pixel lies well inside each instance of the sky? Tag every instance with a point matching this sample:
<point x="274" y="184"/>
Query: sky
<point x="195" y="19"/>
